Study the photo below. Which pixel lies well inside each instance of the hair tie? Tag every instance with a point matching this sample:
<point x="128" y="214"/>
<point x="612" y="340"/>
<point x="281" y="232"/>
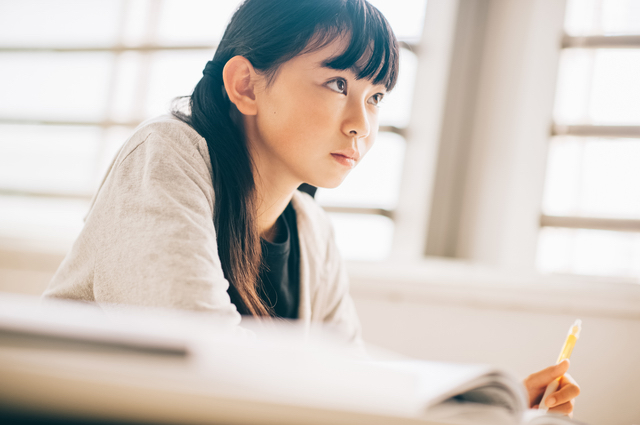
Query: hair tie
<point x="214" y="69"/>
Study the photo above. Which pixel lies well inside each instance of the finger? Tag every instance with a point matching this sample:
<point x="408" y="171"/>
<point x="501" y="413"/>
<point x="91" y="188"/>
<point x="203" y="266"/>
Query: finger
<point x="566" y="380"/>
<point x="568" y="391"/>
<point x="563" y="409"/>
<point x="545" y="376"/>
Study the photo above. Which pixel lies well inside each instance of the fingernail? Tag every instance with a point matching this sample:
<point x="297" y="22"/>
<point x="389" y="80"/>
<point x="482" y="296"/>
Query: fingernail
<point x="550" y="401"/>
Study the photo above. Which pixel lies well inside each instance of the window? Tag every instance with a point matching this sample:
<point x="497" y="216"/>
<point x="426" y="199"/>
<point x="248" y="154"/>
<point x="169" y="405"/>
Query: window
<point x="78" y="76"/>
<point x="591" y="206"/>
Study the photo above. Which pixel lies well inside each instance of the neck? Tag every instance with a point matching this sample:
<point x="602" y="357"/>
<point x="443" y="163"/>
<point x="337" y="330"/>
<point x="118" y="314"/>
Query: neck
<point x="272" y="201"/>
<point x="274" y="190"/>
<point x="274" y="186"/>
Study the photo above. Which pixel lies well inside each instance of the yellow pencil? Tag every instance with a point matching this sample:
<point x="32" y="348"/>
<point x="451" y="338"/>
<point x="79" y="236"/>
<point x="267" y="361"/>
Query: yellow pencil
<point x="565" y="353"/>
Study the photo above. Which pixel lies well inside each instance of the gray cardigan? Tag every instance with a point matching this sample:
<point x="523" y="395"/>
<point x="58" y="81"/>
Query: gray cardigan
<point x="149" y="237"/>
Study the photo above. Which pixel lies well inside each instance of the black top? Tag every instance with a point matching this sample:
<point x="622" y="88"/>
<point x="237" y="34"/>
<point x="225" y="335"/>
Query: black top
<point x="280" y="273"/>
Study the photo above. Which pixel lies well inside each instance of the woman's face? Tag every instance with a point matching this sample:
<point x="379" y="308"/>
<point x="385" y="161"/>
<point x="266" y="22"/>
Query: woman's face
<point x="314" y="124"/>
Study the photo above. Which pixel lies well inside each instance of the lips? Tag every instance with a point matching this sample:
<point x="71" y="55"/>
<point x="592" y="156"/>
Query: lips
<point x="348" y="161"/>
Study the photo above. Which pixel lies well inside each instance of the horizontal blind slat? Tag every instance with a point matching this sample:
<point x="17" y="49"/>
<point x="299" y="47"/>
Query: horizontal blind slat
<point x="602" y="42"/>
<point x="621" y="131"/>
<point x="594" y="223"/>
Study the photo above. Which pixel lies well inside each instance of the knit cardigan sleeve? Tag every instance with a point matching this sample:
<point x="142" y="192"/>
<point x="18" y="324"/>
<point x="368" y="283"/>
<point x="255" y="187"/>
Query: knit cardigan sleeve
<point x="149" y="238"/>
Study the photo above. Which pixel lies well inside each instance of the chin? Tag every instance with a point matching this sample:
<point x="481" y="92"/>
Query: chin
<point x="327" y="182"/>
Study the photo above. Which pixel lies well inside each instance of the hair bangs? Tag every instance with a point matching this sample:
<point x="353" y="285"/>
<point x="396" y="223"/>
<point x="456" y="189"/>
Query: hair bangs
<point x="372" y="52"/>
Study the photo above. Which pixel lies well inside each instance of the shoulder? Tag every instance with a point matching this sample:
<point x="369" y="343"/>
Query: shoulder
<point x="163" y="157"/>
<point x="165" y="134"/>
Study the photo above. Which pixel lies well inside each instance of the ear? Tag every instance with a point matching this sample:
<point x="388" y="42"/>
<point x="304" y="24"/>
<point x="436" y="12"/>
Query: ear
<point x="239" y="81"/>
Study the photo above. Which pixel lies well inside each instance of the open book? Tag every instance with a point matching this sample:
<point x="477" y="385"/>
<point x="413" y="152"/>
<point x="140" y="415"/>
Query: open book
<point x="71" y="360"/>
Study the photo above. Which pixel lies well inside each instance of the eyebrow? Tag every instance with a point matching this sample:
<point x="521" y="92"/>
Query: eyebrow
<point x="354" y="70"/>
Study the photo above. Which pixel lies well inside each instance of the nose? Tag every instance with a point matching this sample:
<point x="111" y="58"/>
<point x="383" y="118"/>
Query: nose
<point x="356" y="123"/>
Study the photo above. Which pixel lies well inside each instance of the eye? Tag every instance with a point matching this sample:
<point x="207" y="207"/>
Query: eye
<point x="375" y="99"/>
<point x="338" y="85"/>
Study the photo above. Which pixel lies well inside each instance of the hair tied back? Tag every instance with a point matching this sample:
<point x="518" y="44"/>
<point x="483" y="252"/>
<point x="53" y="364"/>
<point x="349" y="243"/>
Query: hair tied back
<point x="213" y="69"/>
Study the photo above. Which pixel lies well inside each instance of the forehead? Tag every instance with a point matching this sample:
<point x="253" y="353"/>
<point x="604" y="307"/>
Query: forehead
<point x="314" y="57"/>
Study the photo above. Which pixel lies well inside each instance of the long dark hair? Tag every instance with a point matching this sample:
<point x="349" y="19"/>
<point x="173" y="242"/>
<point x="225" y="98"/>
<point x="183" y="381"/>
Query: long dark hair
<point x="269" y="33"/>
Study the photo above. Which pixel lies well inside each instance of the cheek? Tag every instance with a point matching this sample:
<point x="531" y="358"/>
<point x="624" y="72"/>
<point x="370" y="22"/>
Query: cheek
<point x="294" y="117"/>
<point x="303" y="102"/>
<point x="312" y="115"/>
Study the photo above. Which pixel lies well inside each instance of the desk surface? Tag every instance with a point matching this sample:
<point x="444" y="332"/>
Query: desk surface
<point x="32" y="391"/>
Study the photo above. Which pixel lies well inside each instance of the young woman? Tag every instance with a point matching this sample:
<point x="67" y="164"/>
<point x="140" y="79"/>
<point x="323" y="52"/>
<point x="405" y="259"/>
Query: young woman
<point x="200" y="210"/>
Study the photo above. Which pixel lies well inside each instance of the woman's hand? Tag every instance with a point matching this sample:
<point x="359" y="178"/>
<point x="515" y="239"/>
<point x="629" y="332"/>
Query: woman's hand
<point x="560" y="401"/>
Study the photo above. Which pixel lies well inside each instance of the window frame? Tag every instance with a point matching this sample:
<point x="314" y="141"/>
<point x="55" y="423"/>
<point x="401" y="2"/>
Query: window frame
<point x="507" y="102"/>
<point x="471" y="201"/>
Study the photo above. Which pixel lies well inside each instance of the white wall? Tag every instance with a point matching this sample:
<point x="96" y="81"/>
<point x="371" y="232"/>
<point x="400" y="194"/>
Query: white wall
<point x="27" y="271"/>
